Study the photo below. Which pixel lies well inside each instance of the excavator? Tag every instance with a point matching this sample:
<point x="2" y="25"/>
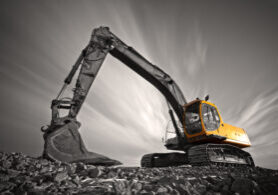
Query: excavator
<point x="200" y="132"/>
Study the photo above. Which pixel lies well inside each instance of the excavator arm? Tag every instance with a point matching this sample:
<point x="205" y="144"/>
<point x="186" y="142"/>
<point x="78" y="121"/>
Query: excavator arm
<point x="91" y="59"/>
<point x="103" y="42"/>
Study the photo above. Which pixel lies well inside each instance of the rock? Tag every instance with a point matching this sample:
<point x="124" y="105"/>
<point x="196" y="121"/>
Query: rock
<point x="111" y="174"/>
<point x="80" y="167"/>
<point x="242" y="186"/>
<point x="36" y="192"/>
<point x="94" y="172"/>
<point x="43" y="186"/>
<point x="162" y="180"/>
<point x="87" y="181"/>
<point x="20" y="174"/>
<point x="44" y="162"/>
<point x="13" y="173"/>
<point x="60" y="176"/>
<point x="4" y="177"/>
<point x="200" y="188"/>
<point x="147" y="187"/>
<point x="38" y="179"/>
<point x="257" y="189"/>
<point x="138" y="186"/>
<point x="225" y="190"/>
<point x="27" y="185"/>
<point x="225" y="187"/>
<point x="175" y="192"/>
<point x="169" y="188"/>
<point x="71" y="168"/>
<point x="2" y="186"/>
<point x="161" y="190"/>
<point x="6" y="164"/>
<point x="183" y="189"/>
<point x="185" y="166"/>
<point x="44" y="170"/>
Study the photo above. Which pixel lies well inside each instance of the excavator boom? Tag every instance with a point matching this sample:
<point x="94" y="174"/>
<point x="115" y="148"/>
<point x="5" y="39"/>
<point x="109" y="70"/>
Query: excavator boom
<point x="103" y="42"/>
<point x="64" y="130"/>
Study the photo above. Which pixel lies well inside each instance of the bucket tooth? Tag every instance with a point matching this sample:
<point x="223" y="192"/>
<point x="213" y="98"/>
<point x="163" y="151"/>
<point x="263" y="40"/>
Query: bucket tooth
<point x="64" y="143"/>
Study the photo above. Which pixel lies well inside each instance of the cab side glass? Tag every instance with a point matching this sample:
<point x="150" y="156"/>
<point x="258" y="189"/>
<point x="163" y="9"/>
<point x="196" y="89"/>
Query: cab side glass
<point x="210" y="117"/>
<point x="192" y="119"/>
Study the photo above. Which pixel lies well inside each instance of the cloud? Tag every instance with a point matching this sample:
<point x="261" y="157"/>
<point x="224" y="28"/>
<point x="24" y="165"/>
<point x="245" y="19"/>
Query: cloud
<point x="196" y="50"/>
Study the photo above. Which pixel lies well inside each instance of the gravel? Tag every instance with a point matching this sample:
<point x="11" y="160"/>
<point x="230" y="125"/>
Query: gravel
<point x="21" y="174"/>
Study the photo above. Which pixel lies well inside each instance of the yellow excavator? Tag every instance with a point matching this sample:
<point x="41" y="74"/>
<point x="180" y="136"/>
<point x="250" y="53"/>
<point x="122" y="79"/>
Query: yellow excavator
<point x="200" y="133"/>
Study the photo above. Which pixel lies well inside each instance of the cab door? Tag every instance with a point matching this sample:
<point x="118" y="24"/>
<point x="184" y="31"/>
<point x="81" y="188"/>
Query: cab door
<point x="211" y="119"/>
<point x="192" y="120"/>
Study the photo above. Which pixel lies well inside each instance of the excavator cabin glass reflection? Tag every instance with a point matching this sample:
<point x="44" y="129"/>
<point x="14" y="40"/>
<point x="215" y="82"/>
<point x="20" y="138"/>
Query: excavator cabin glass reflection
<point x="210" y="117"/>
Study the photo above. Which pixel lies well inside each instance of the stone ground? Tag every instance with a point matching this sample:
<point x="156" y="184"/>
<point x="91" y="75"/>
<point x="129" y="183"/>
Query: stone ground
<point x="20" y="174"/>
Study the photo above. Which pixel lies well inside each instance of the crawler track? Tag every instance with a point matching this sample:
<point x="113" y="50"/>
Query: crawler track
<point x="220" y="154"/>
<point x="203" y="154"/>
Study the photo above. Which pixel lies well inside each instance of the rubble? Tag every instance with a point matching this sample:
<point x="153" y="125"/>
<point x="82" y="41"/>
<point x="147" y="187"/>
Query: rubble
<point x="20" y="174"/>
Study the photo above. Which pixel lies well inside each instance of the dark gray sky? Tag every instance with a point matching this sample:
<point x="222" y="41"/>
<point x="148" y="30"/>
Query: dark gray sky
<point x="227" y="49"/>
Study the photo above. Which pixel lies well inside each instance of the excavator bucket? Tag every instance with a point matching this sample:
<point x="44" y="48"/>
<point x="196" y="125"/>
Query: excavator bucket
<point x="64" y="143"/>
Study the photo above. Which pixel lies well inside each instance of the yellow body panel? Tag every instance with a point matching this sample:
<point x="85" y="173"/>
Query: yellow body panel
<point x="234" y="135"/>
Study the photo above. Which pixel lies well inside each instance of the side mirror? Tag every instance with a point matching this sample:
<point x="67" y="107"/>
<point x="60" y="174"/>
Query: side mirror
<point x="207" y="98"/>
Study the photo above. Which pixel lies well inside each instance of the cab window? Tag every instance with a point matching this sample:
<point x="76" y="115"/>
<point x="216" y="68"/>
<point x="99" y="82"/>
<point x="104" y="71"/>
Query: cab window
<point x="192" y="119"/>
<point x="210" y="117"/>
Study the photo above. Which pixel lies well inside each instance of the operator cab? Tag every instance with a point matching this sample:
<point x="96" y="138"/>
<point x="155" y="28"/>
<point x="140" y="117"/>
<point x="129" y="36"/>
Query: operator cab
<point x="202" y="121"/>
<point x="201" y="112"/>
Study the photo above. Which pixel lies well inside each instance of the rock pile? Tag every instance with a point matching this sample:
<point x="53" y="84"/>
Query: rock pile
<point x="20" y="174"/>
